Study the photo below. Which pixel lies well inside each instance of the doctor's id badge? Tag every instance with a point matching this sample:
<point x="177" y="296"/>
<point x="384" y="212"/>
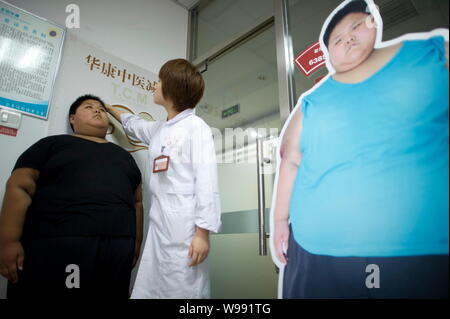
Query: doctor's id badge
<point x="161" y="164"/>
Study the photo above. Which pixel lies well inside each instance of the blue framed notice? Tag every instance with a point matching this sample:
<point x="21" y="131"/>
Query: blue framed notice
<point x="30" y="53"/>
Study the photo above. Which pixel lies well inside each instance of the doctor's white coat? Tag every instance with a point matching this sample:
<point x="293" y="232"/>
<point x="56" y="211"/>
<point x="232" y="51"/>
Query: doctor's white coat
<point x="183" y="197"/>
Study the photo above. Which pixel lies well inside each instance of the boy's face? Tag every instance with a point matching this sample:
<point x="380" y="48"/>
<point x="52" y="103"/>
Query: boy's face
<point x="352" y="41"/>
<point x="90" y="113"/>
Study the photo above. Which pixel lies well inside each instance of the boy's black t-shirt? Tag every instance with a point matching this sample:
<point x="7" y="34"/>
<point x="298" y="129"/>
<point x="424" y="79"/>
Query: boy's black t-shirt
<point x="84" y="188"/>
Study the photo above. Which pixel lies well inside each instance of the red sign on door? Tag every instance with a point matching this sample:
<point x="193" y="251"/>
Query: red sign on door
<point x="310" y="60"/>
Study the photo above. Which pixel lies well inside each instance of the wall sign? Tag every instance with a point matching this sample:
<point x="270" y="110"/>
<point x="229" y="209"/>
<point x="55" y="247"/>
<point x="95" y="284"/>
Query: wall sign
<point x="30" y="51"/>
<point x="310" y="60"/>
<point x="231" y="111"/>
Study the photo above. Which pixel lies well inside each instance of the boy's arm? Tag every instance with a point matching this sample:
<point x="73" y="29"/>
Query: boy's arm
<point x="139" y="222"/>
<point x="20" y="189"/>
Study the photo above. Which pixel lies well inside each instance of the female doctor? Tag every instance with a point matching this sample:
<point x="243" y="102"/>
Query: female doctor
<point x="185" y="204"/>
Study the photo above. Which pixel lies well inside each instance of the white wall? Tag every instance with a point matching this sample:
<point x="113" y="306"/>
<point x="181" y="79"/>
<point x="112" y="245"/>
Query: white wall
<point x="143" y="32"/>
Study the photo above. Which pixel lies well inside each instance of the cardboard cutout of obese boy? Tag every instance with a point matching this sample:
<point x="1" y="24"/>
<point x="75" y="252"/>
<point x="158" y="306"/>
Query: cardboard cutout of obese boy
<point x="361" y="202"/>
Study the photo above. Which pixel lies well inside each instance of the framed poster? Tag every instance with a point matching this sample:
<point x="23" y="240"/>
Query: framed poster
<point x="30" y="52"/>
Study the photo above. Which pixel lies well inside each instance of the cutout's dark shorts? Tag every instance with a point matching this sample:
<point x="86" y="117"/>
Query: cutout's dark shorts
<point x="313" y="276"/>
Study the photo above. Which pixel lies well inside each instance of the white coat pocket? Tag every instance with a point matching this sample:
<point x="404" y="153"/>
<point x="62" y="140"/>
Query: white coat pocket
<point x="180" y="216"/>
<point x="181" y="201"/>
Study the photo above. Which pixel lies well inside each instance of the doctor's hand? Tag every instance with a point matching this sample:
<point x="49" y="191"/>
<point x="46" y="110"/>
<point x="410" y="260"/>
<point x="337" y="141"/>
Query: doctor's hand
<point x="115" y="112"/>
<point x="199" y="249"/>
<point x="281" y="239"/>
<point x="11" y="259"/>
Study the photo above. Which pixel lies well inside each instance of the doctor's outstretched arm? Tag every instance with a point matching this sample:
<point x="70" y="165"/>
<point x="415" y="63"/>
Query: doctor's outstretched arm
<point x="290" y="161"/>
<point x="133" y="125"/>
<point x="116" y="113"/>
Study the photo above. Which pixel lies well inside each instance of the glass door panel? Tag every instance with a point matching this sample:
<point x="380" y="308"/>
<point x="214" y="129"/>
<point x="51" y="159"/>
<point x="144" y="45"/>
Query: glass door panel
<point x="241" y="105"/>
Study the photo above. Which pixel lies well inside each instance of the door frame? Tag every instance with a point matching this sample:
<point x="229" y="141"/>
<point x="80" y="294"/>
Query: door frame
<point x="284" y="51"/>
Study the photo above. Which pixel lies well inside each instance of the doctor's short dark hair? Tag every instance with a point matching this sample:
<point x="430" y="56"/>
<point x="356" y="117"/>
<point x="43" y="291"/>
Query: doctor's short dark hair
<point x="75" y="105"/>
<point x="182" y="84"/>
<point x="351" y="7"/>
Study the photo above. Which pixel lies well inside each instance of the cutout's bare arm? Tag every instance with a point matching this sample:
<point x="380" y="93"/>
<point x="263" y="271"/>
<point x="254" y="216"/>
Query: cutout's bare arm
<point x="446" y="54"/>
<point x="290" y="161"/>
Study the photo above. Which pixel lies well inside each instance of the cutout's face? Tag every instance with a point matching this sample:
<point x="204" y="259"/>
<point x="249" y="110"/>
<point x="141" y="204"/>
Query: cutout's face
<point x="352" y="41"/>
<point x="90" y="113"/>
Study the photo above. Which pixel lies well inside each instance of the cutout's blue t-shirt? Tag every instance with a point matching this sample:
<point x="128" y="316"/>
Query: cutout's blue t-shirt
<point x="373" y="179"/>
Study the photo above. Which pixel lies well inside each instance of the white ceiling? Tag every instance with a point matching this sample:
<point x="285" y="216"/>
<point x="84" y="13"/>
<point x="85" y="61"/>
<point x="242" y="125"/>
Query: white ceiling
<point x="246" y="75"/>
<point x="187" y="4"/>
